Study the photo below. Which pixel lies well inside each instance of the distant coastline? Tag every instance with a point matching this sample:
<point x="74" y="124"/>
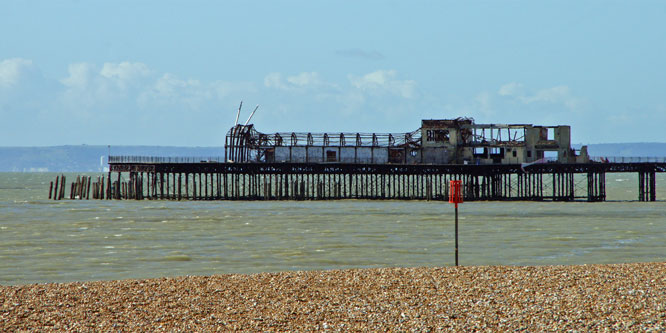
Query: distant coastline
<point x="86" y="158"/>
<point x="91" y="158"/>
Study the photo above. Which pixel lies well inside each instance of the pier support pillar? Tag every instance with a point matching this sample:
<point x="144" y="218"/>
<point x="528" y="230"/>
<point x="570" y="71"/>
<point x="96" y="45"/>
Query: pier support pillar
<point x="596" y="186"/>
<point x="647" y="186"/>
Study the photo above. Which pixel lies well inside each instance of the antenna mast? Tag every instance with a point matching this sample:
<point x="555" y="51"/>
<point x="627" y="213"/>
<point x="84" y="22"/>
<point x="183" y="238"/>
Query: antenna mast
<point x="238" y="114"/>
<point x="251" y="114"/>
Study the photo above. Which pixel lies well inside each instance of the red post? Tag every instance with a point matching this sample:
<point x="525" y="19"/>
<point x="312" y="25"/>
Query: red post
<point x="455" y="197"/>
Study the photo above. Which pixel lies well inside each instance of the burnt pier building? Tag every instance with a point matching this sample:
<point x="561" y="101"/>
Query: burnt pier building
<point x="494" y="162"/>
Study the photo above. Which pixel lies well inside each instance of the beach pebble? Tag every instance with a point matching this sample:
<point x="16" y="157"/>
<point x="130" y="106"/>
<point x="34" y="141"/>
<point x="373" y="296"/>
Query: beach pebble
<point x="498" y="298"/>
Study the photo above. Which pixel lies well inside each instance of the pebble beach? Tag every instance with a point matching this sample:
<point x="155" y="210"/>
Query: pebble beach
<point x="534" y="298"/>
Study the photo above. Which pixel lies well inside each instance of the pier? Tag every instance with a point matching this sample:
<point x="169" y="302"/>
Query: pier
<point x="155" y="178"/>
<point x="498" y="162"/>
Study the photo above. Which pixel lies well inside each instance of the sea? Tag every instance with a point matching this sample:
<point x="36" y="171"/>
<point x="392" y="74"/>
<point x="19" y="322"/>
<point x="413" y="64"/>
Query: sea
<point x="43" y="241"/>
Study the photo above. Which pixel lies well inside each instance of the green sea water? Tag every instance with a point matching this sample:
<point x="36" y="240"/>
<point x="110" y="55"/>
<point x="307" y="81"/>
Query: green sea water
<point x="77" y="240"/>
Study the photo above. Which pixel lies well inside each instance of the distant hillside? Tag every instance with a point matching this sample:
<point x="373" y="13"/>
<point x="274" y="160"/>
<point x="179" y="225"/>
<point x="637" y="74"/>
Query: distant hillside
<point x="645" y="149"/>
<point x="87" y="158"/>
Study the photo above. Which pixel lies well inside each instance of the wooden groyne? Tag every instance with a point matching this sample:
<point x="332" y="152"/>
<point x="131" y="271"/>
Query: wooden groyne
<point x="139" y="178"/>
<point x="84" y="187"/>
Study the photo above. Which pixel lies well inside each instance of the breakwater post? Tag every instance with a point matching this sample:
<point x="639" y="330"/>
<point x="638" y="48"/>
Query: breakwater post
<point x="80" y="189"/>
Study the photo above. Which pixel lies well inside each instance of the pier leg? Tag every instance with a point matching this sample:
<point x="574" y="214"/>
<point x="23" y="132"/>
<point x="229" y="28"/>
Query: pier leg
<point x="118" y="194"/>
<point x="653" y="186"/>
<point x="162" y="185"/>
<point x="226" y="183"/>
<point x="194" y="186"/>
<point x="187" y="186"/>
<point x="168" y="196"/>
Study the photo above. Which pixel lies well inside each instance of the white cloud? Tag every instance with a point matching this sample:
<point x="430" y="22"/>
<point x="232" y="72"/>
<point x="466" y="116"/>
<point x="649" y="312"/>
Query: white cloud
<point x="124" y="70"/>
<point x="80" y="75"/>
<point x="87" y="86"/>
<point x="120" y="75"/>
<point x="305" y="79"/>
<point x="24" y="88"/>
<point x="274" y="80"/>
<point x="302" y="82"/>
<point x="169" y="85"/>
<point x="133" y="84"/>
<point x="383" y="81"/>
<point x="13" y="70"/>
<point x="510" y="89"/>
<point x="169" y="90"/>
<point x="125" y="73"/>
<point x="555" y="95"/>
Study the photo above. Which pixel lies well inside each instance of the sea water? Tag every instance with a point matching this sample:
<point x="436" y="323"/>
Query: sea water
<point x="43" y="240"/>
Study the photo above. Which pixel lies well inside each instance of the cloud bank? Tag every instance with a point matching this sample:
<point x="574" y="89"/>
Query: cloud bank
<point x="93" y="99"/>
<point x="384" y="82"/>
<point x="554" y="95"/>
<point x="131" y="103"/>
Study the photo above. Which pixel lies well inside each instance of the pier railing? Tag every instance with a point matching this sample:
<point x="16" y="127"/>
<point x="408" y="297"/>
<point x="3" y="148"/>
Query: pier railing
<point x="219" y="159"/>
<point x="161" y="159"/>
<point x="628" y="159"/>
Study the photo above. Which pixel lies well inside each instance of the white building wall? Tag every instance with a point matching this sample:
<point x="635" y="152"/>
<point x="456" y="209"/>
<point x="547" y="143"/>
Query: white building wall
<point x="315" y="154"/>
<point x="380" y="155"/>
<point x="281" y="154"/>
<point x="363" y="155"/>
<point x="347" y="154"/>
<point x="510" y="159"/>
<point x="298" y="154"/>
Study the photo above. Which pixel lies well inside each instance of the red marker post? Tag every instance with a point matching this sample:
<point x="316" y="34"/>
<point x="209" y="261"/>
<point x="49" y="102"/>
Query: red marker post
<point x="455" y="197"/>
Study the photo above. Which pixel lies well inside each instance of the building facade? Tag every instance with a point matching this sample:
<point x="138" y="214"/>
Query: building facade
<point x="437" y="141"/>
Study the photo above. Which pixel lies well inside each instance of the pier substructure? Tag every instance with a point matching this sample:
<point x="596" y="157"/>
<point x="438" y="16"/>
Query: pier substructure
<point x="329" y="181"/>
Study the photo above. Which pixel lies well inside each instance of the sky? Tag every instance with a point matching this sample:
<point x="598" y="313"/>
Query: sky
<point x="174" y="72"/>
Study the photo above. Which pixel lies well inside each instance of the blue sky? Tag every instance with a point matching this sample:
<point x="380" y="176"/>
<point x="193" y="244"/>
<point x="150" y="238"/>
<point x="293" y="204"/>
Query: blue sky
<point x="173" y="72"/>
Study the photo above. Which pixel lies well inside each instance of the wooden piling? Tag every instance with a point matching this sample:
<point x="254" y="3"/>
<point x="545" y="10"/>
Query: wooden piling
<point x="56" y="193"/>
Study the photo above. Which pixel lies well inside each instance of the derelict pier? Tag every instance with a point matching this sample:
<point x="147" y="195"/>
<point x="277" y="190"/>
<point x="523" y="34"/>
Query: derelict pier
<point x="493" y="161"/>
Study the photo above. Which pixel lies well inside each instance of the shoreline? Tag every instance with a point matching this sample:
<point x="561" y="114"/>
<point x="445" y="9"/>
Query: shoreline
<point x="616" y="296"/>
